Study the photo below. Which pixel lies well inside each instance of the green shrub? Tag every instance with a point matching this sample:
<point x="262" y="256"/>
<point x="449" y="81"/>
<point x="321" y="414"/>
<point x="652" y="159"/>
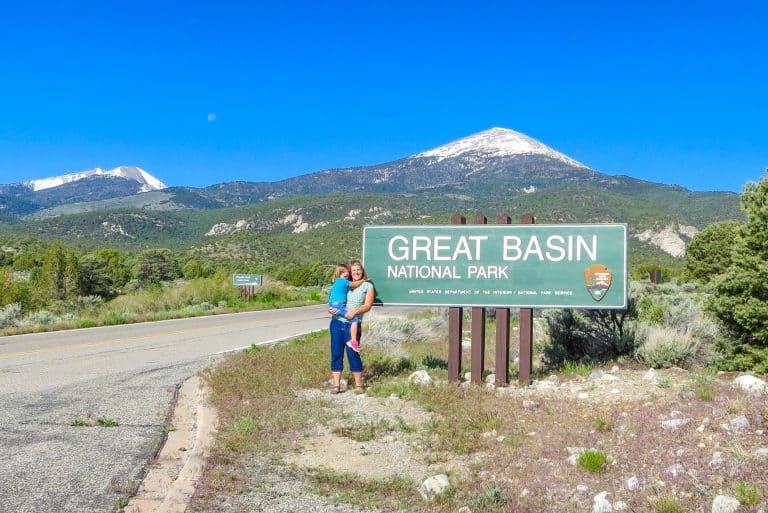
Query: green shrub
<point x="398" y="388"/>
<point x="603" y="423"/>
<point x="41" y="317"/>
<point x="593" y="335"/>
<point x="662" y="347"/>
<point x="577" y="368"/>
<point x="388" y="334"/>
<point x="669" y="505"/>
<point x="747" y="494"/>
<point x="113" y="319"/>
<point x="88" y="302"/>
<point x="16" y="292"/>
<point x="490" y="498"/>
<point x="383" y="365"/>
<point x="10" y="315"/>
<point x="649" y="310"/>
<point x="594" y="461"/>
<point x="704" y="392"/>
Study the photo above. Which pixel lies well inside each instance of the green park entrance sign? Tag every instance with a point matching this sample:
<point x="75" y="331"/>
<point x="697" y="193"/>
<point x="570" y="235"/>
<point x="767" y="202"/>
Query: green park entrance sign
<point x="527" y="266"/>
<point x="244" y="280"/>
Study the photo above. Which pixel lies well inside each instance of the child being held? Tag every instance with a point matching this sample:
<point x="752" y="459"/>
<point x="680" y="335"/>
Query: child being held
<point x="338" y="300"/>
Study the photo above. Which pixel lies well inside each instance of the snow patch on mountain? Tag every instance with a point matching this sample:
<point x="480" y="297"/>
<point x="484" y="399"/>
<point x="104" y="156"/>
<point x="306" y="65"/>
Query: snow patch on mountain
<point x="497" y="142"/>
<point x="149" y="182"/>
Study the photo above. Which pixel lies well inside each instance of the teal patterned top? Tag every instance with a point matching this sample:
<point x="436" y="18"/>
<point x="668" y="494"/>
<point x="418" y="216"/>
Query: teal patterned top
<point x="356" y="298"/>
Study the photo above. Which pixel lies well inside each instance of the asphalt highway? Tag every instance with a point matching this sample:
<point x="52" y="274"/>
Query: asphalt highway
<point x="121" y="378"/>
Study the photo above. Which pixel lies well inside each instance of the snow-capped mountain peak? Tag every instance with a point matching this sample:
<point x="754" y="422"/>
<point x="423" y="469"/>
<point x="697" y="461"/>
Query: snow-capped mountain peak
<point x="147" y="181"/>
<point x="136" y="173"/>
<point x="497" y="142"/>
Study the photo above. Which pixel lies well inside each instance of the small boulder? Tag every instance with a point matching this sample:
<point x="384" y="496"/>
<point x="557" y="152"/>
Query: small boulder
<point x="725" y="504"/>
<point x="717" y="459"/>
<point x="601" y="504"/>
<point x="420" y="377"/>
<point x="751" y="384"/>
<point x="740" y="422"/>
<point x="434" y="486"/>
<point x="674" y="470"/>
<point x="674" y="423"/>
<point x="543" y="385"/>
<point x="574" y="453"/>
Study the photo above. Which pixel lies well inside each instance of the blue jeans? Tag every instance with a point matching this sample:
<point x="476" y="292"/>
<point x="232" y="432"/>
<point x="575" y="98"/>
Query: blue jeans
<point x="339" y="336"/>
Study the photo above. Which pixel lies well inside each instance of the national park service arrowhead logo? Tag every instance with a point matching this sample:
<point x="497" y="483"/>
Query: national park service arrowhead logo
<point x="598" y="279"/>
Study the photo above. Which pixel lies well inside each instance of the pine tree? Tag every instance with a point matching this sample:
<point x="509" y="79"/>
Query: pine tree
<point x="709" y="253"/>
<point x="59" y="275"/>
<point x="48" y="283"/>
<point x="740" y="297"/>
<point x="155" y="266"/>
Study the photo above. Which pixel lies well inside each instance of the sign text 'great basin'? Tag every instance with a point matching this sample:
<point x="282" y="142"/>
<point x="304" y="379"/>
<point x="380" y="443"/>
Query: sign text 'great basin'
<point x="558" y="266"/>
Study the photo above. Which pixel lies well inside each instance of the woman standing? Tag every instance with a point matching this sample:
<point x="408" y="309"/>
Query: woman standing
<point x="359" y="300"/>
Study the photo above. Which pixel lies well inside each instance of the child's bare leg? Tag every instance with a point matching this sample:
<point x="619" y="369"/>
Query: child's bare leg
<point x="353" y="330"/>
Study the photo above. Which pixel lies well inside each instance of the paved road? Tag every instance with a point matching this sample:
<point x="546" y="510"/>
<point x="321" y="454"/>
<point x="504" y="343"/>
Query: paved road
<point x="127" y="374"/>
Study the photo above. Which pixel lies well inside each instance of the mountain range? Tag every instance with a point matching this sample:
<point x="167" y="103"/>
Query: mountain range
<point x="494" y="171"/>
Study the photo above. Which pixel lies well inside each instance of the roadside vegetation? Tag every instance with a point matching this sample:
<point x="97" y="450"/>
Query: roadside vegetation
<point x="585" y="426"/>
<point x="53" y="288"/>
<point x="178" y="299"/>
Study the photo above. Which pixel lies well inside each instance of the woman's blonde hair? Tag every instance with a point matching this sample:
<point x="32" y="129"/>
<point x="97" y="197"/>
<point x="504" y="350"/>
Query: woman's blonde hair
<point x="340" y="268"/>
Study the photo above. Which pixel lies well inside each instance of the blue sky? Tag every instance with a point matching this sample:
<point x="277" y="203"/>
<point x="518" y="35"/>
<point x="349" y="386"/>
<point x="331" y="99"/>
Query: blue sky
<point x="199" y="93"/>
